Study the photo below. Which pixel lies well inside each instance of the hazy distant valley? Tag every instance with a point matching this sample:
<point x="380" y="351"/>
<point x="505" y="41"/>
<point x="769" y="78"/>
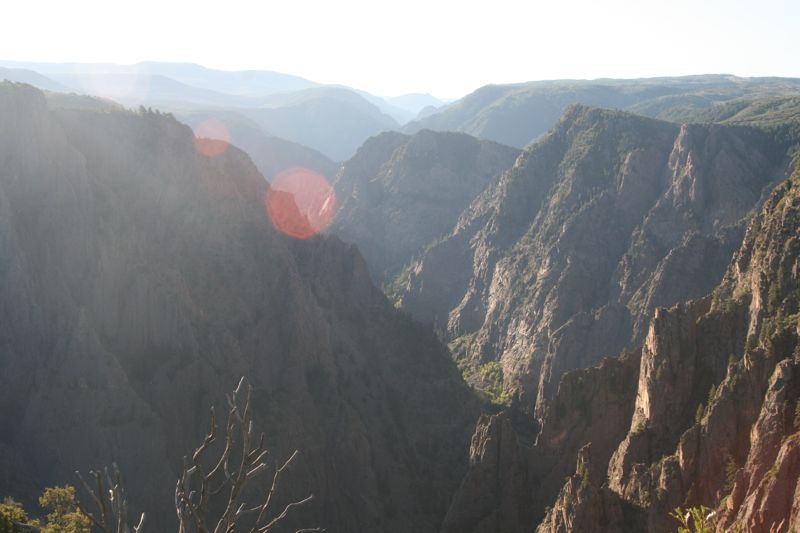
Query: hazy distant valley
<point x="551" y="306"/>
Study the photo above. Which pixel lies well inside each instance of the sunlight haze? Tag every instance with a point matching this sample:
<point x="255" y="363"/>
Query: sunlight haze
<point x="435" y="266"/>
<point x="446" y="48"/>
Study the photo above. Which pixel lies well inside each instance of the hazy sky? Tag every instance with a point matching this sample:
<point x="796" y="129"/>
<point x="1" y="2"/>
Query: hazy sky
<point x="445" y="47"/>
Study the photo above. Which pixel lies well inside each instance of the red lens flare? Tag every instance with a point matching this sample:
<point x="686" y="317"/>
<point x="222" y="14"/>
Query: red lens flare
<point x="211" y="138"/>
<point x="300" y="203"/>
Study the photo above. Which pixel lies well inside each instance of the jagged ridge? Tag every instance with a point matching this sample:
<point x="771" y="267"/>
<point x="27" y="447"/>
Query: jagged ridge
<point x="564" y="260"/>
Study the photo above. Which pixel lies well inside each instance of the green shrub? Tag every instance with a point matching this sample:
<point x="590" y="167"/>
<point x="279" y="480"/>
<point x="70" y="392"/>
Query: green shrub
<point x="660" y="370"/>
<point x="583" y="473"/>
<point x="773" y="296"/>
<point x="693" y="520"/>
<point x="731" y="468"/>
<point x="491" y="379"/>
<point x="797" y="416"/>
<point x="63" y="515"/>
<point x="711" y="393"/>
<point x="568" y="500"/>
<point x="750" y="344"/>
<point x="12" y="513"/>
<point x="640" y="427"/>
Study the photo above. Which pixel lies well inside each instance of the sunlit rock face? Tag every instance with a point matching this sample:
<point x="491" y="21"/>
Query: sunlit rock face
<point x="638" y="411"/>
<point x="564" y="259"/>
<point x="400" y="193"/>
<point x="715" y="414"/>
<point x="706" y="412"/>
<point x="139" y="279"/>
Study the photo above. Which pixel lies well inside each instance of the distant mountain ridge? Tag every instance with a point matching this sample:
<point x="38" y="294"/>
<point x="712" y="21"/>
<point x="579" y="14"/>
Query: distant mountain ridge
<point x="270" y="154"/>
<point x="312" y="114"/>
<point x="415" y="102"/>
<point x="332" y="120"/>
<point x="240" y="83"/>
<point x="518" y="114"/>
<point x="21" y="75"/>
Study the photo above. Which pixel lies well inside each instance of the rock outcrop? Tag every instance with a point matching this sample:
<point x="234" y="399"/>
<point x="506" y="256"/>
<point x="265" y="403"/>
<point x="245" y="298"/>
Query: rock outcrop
<point x="509" y="489"/>
<point x="586" y="504"/>
<point x="492" y="497"/>
<point x="699" y="414"/>
<point x="732" y="359"/>
<point x="565" y="259"/>
<point x="139" y="280"/>
<point x="401" y="193"/>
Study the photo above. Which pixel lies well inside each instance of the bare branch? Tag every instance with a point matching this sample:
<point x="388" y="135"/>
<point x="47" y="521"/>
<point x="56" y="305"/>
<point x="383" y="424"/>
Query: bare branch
<point x="275" y="521"/>
<point x="274" y="487"/>
<point x="110" y="499"/>
<point x="241" y="460"/>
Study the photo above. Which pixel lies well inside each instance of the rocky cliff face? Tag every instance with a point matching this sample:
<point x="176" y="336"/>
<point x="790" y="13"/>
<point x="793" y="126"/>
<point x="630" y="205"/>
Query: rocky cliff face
<point x="717" y="411"/>
<point x="585" y="503"/>
<point x="635" y="410"/>
<point x="400" y="193"/>
<point x="139" y="280"/>
<point x="509" y="489"/>
<point x="565" y="259"/>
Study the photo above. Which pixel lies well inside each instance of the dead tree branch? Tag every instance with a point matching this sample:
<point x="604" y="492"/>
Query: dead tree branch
<point x="107" y="493"/>
<point x="242" y="459"/>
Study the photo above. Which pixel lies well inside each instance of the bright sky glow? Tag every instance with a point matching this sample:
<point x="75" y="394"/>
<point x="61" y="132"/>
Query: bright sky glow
<point x="444" y="47"/>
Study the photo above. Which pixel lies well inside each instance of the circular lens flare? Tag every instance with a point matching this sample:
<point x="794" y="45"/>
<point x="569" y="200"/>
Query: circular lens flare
<point x="300" y="203"/>
<point x="211" y="138"/>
